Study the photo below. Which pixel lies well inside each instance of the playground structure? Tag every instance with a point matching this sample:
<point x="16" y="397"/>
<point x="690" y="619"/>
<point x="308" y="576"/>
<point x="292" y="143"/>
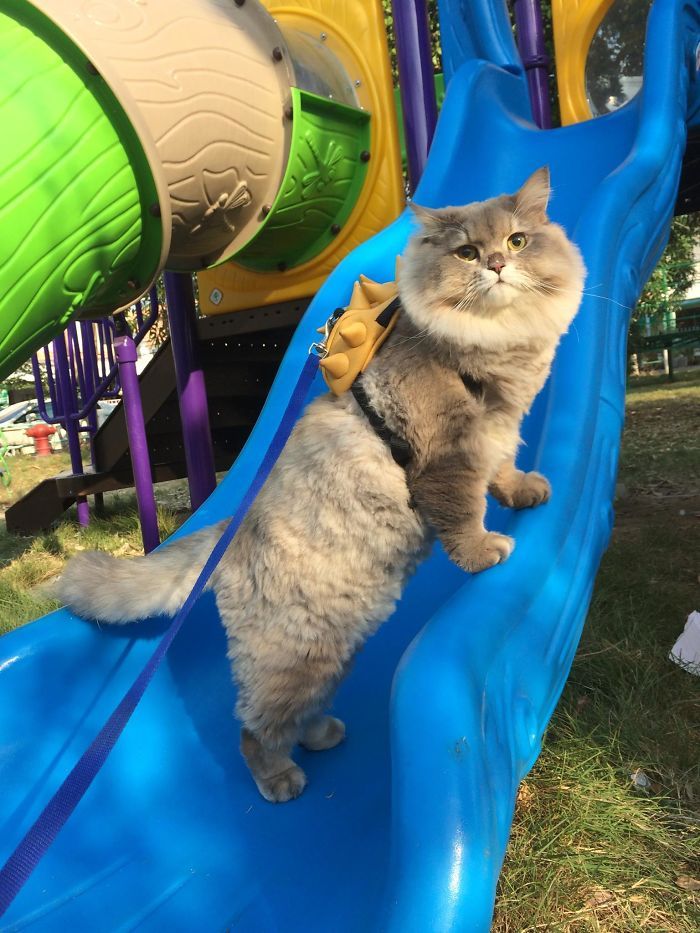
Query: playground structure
<point x="294" y="168"/>
<point x="180" y="164"/>
<point x="682" y="335"/>
<point x="675" y="331"/>
<point x="414" y="843"/>
<point x="236" y="354"/>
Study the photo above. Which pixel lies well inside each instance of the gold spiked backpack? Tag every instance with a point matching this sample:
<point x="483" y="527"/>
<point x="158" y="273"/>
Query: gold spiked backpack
<point x="352" y="335"/>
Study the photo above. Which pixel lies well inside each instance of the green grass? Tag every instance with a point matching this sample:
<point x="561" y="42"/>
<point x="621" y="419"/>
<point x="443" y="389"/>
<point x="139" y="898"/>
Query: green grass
<point x="27" y="563"/>
<point x="26" y="472"/>
<point x="661" y="447"/>
<point x="589" y="851"/>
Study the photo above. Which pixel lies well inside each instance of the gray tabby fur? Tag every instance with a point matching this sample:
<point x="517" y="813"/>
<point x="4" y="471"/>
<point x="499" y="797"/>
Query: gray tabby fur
<point x="323" y="555"/>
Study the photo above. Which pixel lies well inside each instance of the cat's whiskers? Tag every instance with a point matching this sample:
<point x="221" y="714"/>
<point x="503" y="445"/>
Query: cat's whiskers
<point x="469" y="298"/>
<point x="471" y="292"/>
<point x="527" y="284"/>
<point x="548" y="287"/>
<point x="533" y="286"/>
<point x="465" y="302"/>
<point x="421" y="333"/>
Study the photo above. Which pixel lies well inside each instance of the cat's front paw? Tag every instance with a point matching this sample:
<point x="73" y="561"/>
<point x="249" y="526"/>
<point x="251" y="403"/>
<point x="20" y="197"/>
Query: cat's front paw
<point x="531" y="490"/>
<point x="485" y="551"/>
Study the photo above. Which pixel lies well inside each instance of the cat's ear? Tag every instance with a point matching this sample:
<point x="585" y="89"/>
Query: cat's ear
<point x="531" y="200"/>
<point x="430" y="220"/>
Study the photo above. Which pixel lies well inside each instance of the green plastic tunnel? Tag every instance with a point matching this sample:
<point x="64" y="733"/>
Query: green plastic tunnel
<point x="76" y="232"/>
<point x="130" y="146"/>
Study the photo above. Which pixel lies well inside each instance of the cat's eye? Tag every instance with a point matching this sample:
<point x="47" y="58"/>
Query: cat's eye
<point x="467" y="252"/>
<point x="517" y="241"/>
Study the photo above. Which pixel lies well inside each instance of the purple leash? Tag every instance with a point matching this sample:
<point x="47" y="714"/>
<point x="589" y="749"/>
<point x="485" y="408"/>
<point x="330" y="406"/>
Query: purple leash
<point x="31" y="849"/>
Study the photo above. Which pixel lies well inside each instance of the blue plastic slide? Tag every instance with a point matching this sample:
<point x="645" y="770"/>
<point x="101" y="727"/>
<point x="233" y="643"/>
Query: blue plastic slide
<point x="404" y="826"/>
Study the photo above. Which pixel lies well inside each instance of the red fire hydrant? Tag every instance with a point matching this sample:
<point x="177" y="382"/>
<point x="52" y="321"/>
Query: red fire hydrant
<point x="41" y="434"/>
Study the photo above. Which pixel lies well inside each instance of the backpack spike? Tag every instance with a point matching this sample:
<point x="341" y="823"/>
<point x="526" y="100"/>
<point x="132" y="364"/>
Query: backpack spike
<point x="354" y="334"/>
<point x="335" y="365"/>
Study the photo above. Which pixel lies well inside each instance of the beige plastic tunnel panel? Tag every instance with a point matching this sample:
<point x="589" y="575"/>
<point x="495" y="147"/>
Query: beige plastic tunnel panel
<point x="206" y="91"/>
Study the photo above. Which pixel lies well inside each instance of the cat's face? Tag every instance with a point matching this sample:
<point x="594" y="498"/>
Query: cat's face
<point x="492" y="268"/>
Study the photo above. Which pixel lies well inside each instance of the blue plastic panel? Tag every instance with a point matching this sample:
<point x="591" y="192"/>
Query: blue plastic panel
<point x="477" y="29"/>
<point x="403" y="827"/>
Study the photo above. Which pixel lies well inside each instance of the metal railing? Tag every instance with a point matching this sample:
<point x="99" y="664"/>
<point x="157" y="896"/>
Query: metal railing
<point x="88" y="362"/>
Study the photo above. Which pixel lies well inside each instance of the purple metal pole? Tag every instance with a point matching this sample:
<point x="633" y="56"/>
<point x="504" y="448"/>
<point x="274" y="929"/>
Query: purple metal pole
<point x="39" y="387"/>
<point x="530" y="33"/>
<point x="105" y="345"/>
<point x="91" y="380"/>
<point x="53" y="393"/>
<point x="89" y="351"/>
<point x="77" y="362"/>
<point x="191" y="388"/>
<point x="417" y="82"/>
<point x="126" y="355"/>
<point x="68" y="405"/>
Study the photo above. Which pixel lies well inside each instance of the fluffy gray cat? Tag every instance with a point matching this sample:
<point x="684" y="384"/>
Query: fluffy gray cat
<point x="487" y="291"/>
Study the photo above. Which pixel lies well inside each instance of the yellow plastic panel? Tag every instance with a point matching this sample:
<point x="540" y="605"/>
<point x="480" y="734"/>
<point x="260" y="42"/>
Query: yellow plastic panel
<point x="354" y="32"/>
<point x="575" y="23"/>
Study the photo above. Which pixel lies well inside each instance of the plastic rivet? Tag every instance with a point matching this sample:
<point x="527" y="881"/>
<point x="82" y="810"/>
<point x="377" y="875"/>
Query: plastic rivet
<point x="265" y="210"/>
<point x="133" y="283"/>
<point x="154" y="210"/>
<point x="92" y="69"/>
<point x="281" y="266"/>
<point x="239" y="2"/>
<point x="335" y="229"/>
<point x="289" y="111"/>
<point x="365" y="156"/>
<point x="277" y="54"/>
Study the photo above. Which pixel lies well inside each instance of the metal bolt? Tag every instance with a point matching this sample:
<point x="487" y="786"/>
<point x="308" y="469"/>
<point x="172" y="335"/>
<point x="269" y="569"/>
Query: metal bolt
<point x="365" y="156"/>
<point x="357" y="82"/>
<point x="323" y="37"/>
<point x="92" y="69"/>
<point x="154" y="210"/>
<point x="277" y="54"/>
<point x="265" y="210"/>
<point x="335" y="229"/>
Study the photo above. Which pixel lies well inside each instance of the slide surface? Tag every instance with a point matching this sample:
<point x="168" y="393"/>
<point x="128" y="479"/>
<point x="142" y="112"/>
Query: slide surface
<point x="404" y="826"/>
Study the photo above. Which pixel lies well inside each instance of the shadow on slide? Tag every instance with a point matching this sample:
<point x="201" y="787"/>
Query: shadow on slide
<point x="404" y="826"/>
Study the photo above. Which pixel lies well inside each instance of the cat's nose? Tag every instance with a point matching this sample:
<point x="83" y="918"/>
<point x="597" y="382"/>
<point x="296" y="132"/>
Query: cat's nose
<point x="495" y="262"/>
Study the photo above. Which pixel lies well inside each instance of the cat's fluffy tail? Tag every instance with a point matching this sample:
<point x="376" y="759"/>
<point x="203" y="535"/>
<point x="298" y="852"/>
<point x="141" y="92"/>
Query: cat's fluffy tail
<point x="99" y="586"/>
